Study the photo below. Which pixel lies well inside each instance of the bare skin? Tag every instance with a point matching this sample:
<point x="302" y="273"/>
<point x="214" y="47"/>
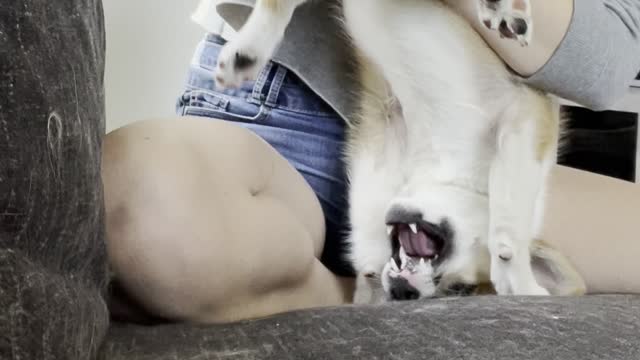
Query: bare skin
<point x="206" y="222"/>
<point x="593" y="219"/>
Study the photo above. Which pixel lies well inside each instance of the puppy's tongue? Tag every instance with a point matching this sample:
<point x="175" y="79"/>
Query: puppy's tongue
<point x="416" y="244"/>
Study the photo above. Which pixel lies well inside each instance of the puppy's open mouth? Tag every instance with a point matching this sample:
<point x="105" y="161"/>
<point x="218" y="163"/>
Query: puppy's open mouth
<point x="418" y="240"/>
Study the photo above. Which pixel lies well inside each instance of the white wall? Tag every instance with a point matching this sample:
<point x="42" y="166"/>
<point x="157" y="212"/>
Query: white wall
<point x="149" y="47"/>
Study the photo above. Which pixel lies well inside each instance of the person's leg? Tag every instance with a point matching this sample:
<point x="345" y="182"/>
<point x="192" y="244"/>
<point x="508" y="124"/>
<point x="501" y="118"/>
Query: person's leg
<point x="252" y="221"/>
<point x="53" y="265"/>
<point x="206" y="222"/>
<point x="594" y="220"/>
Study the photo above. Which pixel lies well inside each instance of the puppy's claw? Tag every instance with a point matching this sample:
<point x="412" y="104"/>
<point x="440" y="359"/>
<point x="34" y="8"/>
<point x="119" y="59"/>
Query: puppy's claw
<point x="425" y="267"/>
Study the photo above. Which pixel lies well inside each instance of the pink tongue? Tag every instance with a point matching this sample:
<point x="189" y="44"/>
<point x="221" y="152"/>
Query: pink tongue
<point x="419" y="244"/>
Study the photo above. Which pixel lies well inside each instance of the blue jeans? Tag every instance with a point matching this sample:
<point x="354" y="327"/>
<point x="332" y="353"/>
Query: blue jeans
<point x="282" y="110"/>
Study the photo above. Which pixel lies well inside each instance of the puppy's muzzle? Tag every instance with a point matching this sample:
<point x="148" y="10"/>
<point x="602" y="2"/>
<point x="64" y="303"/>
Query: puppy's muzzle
<point x="418" y="238"/>
<point x="401" y="289"/>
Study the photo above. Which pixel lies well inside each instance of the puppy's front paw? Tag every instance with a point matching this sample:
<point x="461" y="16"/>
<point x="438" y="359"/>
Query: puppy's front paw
<point x="511" y="271"/>
<point x="368" y="289"/>
<point x="511" y="18"/>
<point x="236" y="64"/>
<point x="500" y="277"/>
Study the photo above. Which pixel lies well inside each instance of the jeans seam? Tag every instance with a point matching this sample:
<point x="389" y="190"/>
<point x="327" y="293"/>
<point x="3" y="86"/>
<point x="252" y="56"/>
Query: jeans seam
<point x="305" y="112"/>
<point x="189" y="110"/>
<point x="222" y="102"/>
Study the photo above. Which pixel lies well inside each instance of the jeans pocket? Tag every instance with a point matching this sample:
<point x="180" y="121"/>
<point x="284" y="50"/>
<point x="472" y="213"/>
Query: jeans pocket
<point x="209" y="104"/>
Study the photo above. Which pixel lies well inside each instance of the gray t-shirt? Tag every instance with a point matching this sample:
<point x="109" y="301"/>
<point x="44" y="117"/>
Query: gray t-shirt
<point x="593" y="66"/>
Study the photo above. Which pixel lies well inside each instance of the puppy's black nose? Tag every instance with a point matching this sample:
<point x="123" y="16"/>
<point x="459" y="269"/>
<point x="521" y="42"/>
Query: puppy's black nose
<point x="402" y="290"/>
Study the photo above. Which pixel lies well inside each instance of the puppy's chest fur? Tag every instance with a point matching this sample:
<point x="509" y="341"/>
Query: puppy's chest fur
<point x="453" y="88"/>
<point x="438" y="153"/>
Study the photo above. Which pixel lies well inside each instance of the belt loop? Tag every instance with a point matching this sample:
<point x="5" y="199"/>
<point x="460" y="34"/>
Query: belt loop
<point x="258" y="86"/>
<point x="276" y="84"/>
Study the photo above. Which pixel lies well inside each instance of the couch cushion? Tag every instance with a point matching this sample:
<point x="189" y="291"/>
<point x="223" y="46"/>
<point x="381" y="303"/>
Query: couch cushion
<point x="591" y="327"/>
<point x="53" y="264"/>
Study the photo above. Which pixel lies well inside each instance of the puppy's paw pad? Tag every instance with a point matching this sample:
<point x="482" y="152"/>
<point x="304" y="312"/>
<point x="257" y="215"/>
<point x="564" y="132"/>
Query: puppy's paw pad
<point x="511" y="18"/>
<point x="236" y="66"/>
<point x="516" y="28"/>
<point x="505" y="253"/>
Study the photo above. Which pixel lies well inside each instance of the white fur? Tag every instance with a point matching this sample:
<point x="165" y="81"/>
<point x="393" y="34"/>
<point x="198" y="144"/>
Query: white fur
<point x="464" y="145"/>
<point x="258" y="41"/>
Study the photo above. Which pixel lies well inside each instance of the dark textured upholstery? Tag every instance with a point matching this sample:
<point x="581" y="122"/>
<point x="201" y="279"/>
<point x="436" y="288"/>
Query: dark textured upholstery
<point x="486" y="328"/>
<point x="52" y="254"/>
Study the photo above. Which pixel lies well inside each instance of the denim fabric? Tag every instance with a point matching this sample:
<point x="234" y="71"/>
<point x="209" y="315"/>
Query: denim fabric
<point x="282" y="110"/>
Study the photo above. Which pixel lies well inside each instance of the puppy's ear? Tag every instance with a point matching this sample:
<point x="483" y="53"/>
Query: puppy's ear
<point x="554" y="271"/>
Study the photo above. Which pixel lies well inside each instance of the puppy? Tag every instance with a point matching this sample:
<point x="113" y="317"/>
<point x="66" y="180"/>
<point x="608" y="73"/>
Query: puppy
<point x="449" y="152"/>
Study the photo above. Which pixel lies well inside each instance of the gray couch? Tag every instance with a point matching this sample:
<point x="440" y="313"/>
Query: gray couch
<point x="53" y="267"/>
<point x="486" y="327"/>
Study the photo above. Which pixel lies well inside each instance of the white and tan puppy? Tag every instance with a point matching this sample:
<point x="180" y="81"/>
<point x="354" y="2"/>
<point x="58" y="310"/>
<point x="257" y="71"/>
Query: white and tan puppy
<point x="449" y="153"/>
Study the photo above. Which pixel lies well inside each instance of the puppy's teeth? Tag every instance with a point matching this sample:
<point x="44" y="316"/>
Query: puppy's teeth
<point x="411" y="266"/>
<point x="403" y="262"/>
<point x="389" y="229"/>
<point x="435" y="257"/>
<point x="414" y="228"/>
<point x="422" y="262"/>
<point x="394" y="265"/>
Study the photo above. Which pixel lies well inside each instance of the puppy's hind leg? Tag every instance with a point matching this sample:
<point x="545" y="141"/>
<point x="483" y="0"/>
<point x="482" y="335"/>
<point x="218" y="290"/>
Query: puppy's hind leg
<point x="243" y="57"/>
<point x="517" y="180"/>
